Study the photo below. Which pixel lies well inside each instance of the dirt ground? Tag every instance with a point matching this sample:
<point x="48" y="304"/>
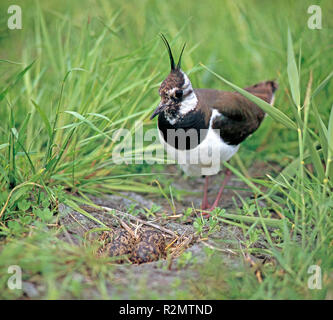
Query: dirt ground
<point x="159" y="276"/>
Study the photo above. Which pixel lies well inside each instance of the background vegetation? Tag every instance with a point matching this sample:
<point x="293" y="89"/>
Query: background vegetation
<point x="79" y="70"/>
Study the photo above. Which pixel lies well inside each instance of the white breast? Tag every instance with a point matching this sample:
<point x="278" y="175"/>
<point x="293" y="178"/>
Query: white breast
<point x="207" y="157"/>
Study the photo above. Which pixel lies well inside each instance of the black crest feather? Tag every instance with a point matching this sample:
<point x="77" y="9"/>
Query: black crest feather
<point x="180" y="57"/>
<point x="172" y="62"/>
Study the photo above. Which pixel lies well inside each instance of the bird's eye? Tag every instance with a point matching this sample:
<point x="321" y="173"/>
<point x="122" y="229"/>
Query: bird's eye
<point x="179" y="94"/>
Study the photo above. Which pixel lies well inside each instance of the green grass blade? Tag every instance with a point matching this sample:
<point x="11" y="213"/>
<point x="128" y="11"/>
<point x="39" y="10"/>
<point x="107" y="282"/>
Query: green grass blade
<point x="329" y="166"/>
<point x="322" y="131"/>
<point x="315" y="158"/>
<point x="293" y="75"/>
<point x="44" y="118"/>
<point x="5" y="145"/>
<point x="74" y="206"/>
<point x="18" y="77"/>
<point x="322" y="85"/>
<point x="89" y="123"/>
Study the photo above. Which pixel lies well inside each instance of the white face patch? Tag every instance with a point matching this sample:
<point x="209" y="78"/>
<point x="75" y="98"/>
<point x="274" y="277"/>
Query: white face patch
<point x="190" y="101"/>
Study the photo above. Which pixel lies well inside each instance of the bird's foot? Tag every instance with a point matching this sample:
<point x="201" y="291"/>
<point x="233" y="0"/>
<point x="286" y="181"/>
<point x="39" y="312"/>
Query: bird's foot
<point x="204" y="206"/>
<point x="206" y="209"/>
<point x="206" y="212"/>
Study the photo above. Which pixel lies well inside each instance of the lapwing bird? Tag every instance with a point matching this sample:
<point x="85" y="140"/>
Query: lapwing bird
<point x="202" y="128"/>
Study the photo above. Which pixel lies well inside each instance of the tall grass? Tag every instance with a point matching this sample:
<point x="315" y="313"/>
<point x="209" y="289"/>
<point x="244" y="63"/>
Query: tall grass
<point x="72" y="101"/>
<point x="306" y="187"/>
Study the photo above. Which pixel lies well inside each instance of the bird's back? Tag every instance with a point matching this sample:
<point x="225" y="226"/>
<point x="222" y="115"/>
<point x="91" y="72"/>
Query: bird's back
<point x="239" y="117"/>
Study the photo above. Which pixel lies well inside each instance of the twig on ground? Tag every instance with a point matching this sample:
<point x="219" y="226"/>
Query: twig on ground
<point x="254" y="265"/>
<point x="79" y="223"/>
<point x="170" y="244"/>
<point x="140" y="221"/>
<point x="218" y="249"/>
<point x="181" y="247"/>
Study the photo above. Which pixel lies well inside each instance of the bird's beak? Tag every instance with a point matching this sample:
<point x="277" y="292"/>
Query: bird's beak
<point x="161" y="107"/>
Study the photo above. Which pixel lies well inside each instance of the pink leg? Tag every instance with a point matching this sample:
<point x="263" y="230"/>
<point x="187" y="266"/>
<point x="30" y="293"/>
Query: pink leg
<point x="204" y="204"/>
<point x="224" y="183"/>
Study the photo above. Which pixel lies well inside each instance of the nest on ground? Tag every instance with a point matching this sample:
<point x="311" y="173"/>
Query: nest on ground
<point x="143" y="243"/>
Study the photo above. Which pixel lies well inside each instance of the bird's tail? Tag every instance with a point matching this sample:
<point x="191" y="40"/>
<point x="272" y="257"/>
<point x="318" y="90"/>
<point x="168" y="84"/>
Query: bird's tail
<point x="264" y="90"/>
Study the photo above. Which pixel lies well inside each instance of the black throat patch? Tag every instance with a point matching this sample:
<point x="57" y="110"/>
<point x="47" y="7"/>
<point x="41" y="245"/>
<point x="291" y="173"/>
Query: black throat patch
<point x="188" y="131"/>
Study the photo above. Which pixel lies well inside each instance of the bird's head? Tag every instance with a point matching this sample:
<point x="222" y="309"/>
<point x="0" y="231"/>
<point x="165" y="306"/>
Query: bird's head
<point x="176" y="92"/>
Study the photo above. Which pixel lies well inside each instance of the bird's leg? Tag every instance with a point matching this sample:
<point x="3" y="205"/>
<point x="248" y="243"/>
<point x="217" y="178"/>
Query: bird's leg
<point x="204" y="204"/>
<point x="224" y="183"/>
